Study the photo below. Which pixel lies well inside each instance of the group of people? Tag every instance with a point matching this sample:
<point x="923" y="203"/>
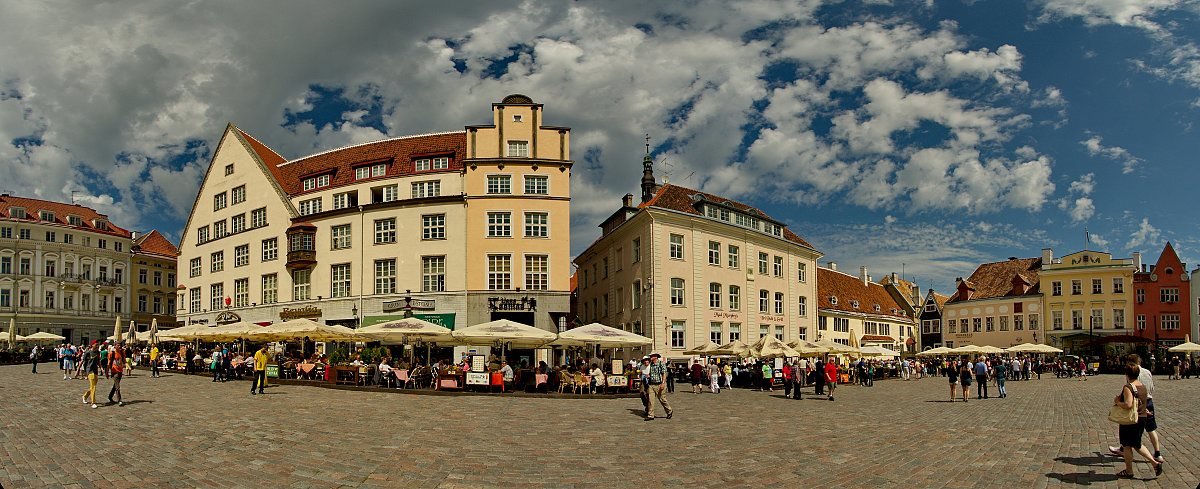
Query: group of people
<point x="1181" y="368"/>
<point x="89" y="361"/>
<point x="982" y="371"/>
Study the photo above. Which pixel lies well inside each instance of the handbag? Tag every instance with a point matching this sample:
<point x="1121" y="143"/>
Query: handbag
<point x="1125" y="416"/>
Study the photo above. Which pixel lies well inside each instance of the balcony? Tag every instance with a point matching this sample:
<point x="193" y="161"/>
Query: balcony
<point x="301" y="259"/>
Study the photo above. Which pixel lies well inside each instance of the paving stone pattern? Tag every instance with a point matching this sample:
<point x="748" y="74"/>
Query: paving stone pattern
<point x="185" y="431"/>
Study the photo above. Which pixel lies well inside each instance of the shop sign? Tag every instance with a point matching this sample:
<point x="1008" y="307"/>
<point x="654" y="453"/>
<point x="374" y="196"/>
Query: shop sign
<point x="443" y="319"/>
<point x="414" y="304"/>
<point x="778" y="319"/>
<point x="290" y="313"/>
<point x="228" y="317"/>
<point x="725" y="315"/>
<point x="510" y="304"/>
<point x="477" y="378"/>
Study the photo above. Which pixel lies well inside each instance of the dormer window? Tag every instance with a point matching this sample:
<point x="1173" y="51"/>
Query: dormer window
<point x="75" y="220"/>
<point x="854" y="304"/>
<point x="316" y="182"/>
<point x="371" y="171"/>
<point x="100" y="224"/>
<point x="518" y="149"/>
<point x="46" y="216"/>
<point x="877" y="308"/>
<point x="437" y="163"/>
<point x="16" y="212"/>
<point x="833" y="299"/>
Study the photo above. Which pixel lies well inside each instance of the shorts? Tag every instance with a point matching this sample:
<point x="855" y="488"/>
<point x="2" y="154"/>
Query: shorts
<point x="1151" y="423"/>
<point x="953" y="380"/>
<point x="965" y="381"/>
<point x="1131" y="434"/>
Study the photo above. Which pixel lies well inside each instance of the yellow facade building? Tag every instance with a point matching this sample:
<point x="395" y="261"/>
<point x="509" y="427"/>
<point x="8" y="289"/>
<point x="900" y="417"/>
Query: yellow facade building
<point x="999" y="305"/>
<point x="1085" y="294"/>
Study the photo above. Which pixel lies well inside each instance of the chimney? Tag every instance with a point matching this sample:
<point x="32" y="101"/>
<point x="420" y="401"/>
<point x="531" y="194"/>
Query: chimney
<point x="133" y="235"/>
<point x="1137" y="261"/>
<point x="833" y="265"/>
<point x="627" y="200"/>
<point x="1047" y="256"/>
<point x="862" y="274"/>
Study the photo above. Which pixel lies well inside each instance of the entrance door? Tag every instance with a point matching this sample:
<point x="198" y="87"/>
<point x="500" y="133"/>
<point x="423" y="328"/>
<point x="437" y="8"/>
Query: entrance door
<point x="522" y="317"/>
<point x="66" y="332"/>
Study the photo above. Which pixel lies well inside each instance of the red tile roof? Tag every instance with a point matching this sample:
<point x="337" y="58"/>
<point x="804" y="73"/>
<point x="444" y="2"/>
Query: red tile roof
<point x="680" y="199"/>
<point x="399" y="152"/>
<point x="995" y="279"/>
<point x="154" y="243"/>
<point x="875" y="338"/>
<point x="941" y="299"/>
<point x="33" y="208"/>
<point x="848" y="288"/>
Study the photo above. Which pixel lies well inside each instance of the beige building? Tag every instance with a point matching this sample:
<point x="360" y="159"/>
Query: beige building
<point x="153" y="281"/>
<point x="686" y="268"/>
<point x="64" y="269"/>
<point x="459" y="227"/>
<point x="857" y="311"/>
<point x="1086" y="294"/>
<point x="999" y="305"/>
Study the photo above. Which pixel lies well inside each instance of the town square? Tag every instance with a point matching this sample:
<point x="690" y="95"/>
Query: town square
<point x="800" y="243"/>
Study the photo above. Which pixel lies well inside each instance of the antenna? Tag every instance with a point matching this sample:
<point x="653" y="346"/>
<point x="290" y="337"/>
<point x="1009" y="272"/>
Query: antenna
<point x="73" y="192"/>
<point x="647" y="143"/>
<point x="1087" y="238"/>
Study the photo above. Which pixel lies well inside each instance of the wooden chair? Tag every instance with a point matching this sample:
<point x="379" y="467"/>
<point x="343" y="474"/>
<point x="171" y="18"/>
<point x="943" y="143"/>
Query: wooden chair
<point x="581" y="384"/>
<point x="564" y="382"/>
<point x="540" y="380"/>
<point x="402" y="378"/>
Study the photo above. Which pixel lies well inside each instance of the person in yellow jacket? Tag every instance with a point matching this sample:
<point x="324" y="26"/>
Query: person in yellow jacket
<point x="260" y="371"/>
<point x="154" y="361"/>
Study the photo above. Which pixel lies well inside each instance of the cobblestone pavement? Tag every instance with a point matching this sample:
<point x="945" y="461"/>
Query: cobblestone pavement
<point x="182" y="431"/>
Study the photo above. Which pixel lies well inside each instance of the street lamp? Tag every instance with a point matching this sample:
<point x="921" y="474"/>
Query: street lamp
<point x="354" y="312"/>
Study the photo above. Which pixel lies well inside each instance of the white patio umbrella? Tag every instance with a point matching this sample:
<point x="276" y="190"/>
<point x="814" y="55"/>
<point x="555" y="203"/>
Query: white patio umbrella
<point x="941" y="350"/>
<point x="153" y="331"/>
<point x="44" y="337"/>
<point x="602" y="336"/>
<point x="12" y="332"/>
<point x="117" y="328"/>
<point x="504" y="333"/>
<point x="705" y="349"/>
<point x="131" y="336"/>
<point x="1188" y="347"/>
<point x="878" y="351"/>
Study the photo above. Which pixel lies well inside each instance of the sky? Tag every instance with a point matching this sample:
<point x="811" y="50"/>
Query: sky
<point x="917" y="137"/>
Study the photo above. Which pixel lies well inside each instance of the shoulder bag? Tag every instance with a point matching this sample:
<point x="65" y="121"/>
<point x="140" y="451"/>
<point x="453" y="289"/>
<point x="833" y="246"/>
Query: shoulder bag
<point x="1125" y="416"/>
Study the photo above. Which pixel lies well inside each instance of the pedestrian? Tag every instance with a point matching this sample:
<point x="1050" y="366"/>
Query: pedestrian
<point x="1000" y="372"/>
<point x="216" y="364"/>
<point x="904" y="369"/>
<point x="655" y="377"/>
<point x="644" y="379"/>
<point x="154" y="361"/>
<point x="91" y="365"/>
<point x="949" y="372"/>
<point x="68" y="360"/>
<point x="671" y="378"/>
<point x="819" y="369"/>
<point x="696" y="375"/>
<point x="787" y="379"/>
<point x="714" y="377"/>
<point x="1134" y="395"/>
<point x="104" y="347"/>
<point x="768" y="376"/>
<point x="1151" y="425"/>
<point x="831" y="377"/>
<point x="727" y="375"/>
<point x="116" y="364"/>
<point x="964" y="378"/>
<point x="226" y="365"/>
<point x="798" y="373"/>
<point x="981" y="377"/>
<point x="33" y="355"/>
<point x="1175" y="364"/>
<point x="260" y="371"/>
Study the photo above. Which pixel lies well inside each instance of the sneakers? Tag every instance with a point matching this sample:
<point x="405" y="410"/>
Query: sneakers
<point x="120" y="403"/>
<point x="649" y="418"/>
<point x="670" y="414"/>
<point x="84" y="399"/>
<point x="93" y="406"/>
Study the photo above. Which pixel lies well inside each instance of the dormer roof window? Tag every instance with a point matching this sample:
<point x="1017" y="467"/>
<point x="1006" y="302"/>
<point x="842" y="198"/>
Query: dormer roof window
<point x="16" y="212"/>
<point x="833" y="299"/>
<point x="46" y="216"/>
<point x="75" y="220"/>
<point x="854" y="304"/>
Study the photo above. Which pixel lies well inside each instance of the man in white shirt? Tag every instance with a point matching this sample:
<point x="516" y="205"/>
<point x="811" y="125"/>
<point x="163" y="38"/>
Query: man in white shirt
<point x="1147" y="379"/>
<point x="506" y="372"/>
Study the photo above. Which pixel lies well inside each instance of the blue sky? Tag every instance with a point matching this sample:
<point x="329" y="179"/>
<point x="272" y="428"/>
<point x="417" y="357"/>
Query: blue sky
<point x="924" y="136"/>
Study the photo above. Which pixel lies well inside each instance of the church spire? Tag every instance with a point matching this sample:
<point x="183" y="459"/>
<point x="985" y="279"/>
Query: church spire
<point x="649" y="187"/>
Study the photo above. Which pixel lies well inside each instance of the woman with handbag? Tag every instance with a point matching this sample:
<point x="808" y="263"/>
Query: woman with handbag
<point x="1130" y="412"/>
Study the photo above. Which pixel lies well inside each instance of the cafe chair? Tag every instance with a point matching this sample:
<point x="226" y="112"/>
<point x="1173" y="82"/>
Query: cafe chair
<point x="564" y="382"/>
<point x="362" y="375"/>
<point x="402" y="379"/>
<point x="497" y="380"/>
<point x="581" y="384"/>
<point x="540" y="380"/>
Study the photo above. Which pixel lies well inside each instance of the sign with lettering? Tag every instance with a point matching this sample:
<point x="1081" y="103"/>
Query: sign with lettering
<point x="478" y="378"/>
<point x="414" y="304"/>
<point x="512" y="304"/>
<point x="478" y="363"/>
<point x="726" y="315"/>
<point x="290" y="313"/>
<point x="777" y="319"/>
<point x="618" y="381"/>
<point x="197" y="321"/>
<point x="228" y="317"/>
<point x="618" y="367"/>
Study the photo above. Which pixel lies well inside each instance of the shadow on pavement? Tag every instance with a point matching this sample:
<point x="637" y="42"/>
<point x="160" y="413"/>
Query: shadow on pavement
<point x="941" y="400"/>
<point x="1096" y="460"/>
<point x="637" y="412"/>
<point x="1083" y="478"/>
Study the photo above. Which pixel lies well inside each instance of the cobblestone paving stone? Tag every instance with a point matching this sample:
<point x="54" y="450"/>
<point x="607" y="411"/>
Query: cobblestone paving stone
<point x="184" y="431"/>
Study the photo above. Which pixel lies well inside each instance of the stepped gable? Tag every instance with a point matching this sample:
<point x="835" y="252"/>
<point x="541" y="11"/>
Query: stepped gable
<point x="995" y="279"/>
<point x="848" y="288"/>
<point x="680" y="199"/>
<point x="61" y="211"/>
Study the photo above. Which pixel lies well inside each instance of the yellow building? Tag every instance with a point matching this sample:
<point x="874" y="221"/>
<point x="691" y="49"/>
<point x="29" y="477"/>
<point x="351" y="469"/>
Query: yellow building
<point x="859" y="312"/>
<point x="154" y="258"/>
<point x="999" y="305"/>
<point x="1085" y="294"/>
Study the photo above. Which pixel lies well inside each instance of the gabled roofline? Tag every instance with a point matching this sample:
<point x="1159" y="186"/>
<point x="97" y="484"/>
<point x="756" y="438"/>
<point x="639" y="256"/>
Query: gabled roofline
<point x="286" y="162"/>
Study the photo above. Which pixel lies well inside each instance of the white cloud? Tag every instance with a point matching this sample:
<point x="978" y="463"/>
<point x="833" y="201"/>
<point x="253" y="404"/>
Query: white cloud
<point x="1079" y="204"/>
<point x="1134" y="13"/>
<point x="1095" y="147"/>
<point x="1145" y="235"/>
<point x="889" y="219"/>
<point x="1099" y="240"/>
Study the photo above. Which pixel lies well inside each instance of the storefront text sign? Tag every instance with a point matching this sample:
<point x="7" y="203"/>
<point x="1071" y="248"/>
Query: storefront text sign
<point x="477" y="378"/>
<point x="726" y="315"/>
<point x="290" y="313"/>
<point x="228" y="317"/>
<point x="415" y="304"/>
<point x="506" y="304"/>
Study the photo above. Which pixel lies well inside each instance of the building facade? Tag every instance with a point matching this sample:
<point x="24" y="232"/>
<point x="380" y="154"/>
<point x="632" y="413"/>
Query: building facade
<point x="153" y="281"/>
<point x="1195" y="309"/>
<point x="908" y="296"/>
<point x="1161" y="296"/>
<point x="999" y="305"/>
<point x="930" y="319"/>
<point x="458" y="228"/>
<point x="686" y="268"/>
<point x="1086" y="295"/>
<point x="64" y="269"/>
<point x="856" y="311"/>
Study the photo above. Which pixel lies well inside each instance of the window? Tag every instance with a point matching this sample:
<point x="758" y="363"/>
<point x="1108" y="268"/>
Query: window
<point x="238" y="223"/>
<point x="1003" y="323"/>
<point x="734" y="257"/>
<point x="499" y="224"/>
<point x="1097" y="286"/>
<point x="518" y="149"/>
<point x="1118" y="318"/>
<point x="637" y="249"/>
<point x="604" y="303"/>
<point x="238" y="194"/>
<point x="1033" y="322"/>
<point x="432" y="188"/>
<point x="340" y="236"/>
<point x="499" y="272"/>
<point x="171" y="280"/>
<point x="802" y="306"/>
<point x="441" y="162"/>
<point x="1076" y="319"/>
<point x="16" y="213"/>
<point x="714" y="253"/>
<point x="1141" y="321"/>
<point x="764" y="301"/>
<point x="433" y="273"/>
<point x="1168" y="294"/>
<point x="50" y="302"/>
<point x="778" y="266"/>
<point x="537" y="225"/>
<point x="51" y="237"/>
<point x="735" y="331"/>
<point x="103" y="273"/>
<point x="802" y="272"/>
<point x="258" y="217"/>
<point x="228" y="170"/>
<point x="1056" y="320"/>
<point x="676" y="246"/>
<point x="316" y="182"/>
<point x="735" y="298"/>
<point x="385" y="230"/>
<point x="433" y="226"/>
<point x="605" y="269"/>
<point x="157" y="278"/>
<point x="989" y="324"/>
<point x="677" y="292"/>
<point x="241" y="255"/>
<point x="1169" y="321"/>
<point x="193" y="300"/>
<point x="24" y="234"/>
<point x="218" y="230"/>
<point x="219" y="201"/>
<point x="779" y="332"/>
<point x="1018" y="322"/>
<point x="202" y="234"/>
<point x="778" y="303"/>
<point x="216" y="292"/>
<point x="118" y="246"/>
<point x="537" y="185"/>
<point x="976" y="324"/>
<point x="1141" y="296"/>
<point x="51" y="268"/>
<point x="833" y="300"/>
<point x="1056" y="288"/>
<point x="635" y="299"/>
<point x="714" y="295"/>
<point x="345" y="200"/>
<point x="714" y="333"/>
<point x="6" y="232"/>
<point x="762" y="263"/>
<point x="241" y="292"/>
<point x="364" y="172"/>
<point x="340" y="278"/>
<point x="310" y="206"/>
<point x="1076" y="287"/>
<point x="217" y="261"/>
<point x="68" y="238"/>
<point x="1097" y="319"/>
<point x="386" y="193"/>
<point x="1118" y="285"/>
<point x="537" y="272"/>
<point x="194" y="266"/>
<point x="499" y="184"/>
<point x="301" y="289"/>
<point x="6" y="265"/>
<point x="270" y="249"/>
<point x="270" y="288"/>
<point x="841" y="325"/>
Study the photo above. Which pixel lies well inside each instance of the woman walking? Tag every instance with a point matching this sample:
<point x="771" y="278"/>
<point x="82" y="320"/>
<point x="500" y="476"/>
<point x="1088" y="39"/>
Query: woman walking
<point x="1133" y="394"/>
<point x="950" y="372"/>
<point x="91" y="365"/>
<point x="964" y="378"/>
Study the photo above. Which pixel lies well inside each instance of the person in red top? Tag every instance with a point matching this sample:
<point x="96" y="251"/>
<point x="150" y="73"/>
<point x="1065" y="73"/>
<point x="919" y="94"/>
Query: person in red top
<point x="697" y="374"/>
<point x="787" y="379"/>
<point x="831" y="377"/>
<point x="116" y="362"/>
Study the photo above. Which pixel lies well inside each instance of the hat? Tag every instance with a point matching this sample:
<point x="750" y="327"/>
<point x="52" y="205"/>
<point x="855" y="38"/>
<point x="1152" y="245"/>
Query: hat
<point x="655" y="354"/>
<point x="647" y="357"/>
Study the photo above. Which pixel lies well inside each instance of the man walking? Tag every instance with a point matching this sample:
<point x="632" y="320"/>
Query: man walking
<point x="655" y="377"/>
<point x="33" y="355"/>
<point x="116" y="364"/>
<point x="831" y="377"/>
<point x="644" y="378"/>
<point x="1000" y="371"/>
<point x="91" y="365"/>
<point x="820" y="377"/>
<point x="981" y="378"/>
<point x="714" y="377"/>
<point x="154" y="361"/>
<point x="260" y="371"/>
<point x="787" y="379"/>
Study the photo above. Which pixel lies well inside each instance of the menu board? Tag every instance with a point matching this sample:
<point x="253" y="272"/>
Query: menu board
<point x="478" y="363"/>
<point x="477" y="378"/>
<point x="618" y="367"/>
<point x="618" y="381"/>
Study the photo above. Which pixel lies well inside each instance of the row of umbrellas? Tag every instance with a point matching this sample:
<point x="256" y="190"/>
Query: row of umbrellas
<point x="772" y="347"/>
